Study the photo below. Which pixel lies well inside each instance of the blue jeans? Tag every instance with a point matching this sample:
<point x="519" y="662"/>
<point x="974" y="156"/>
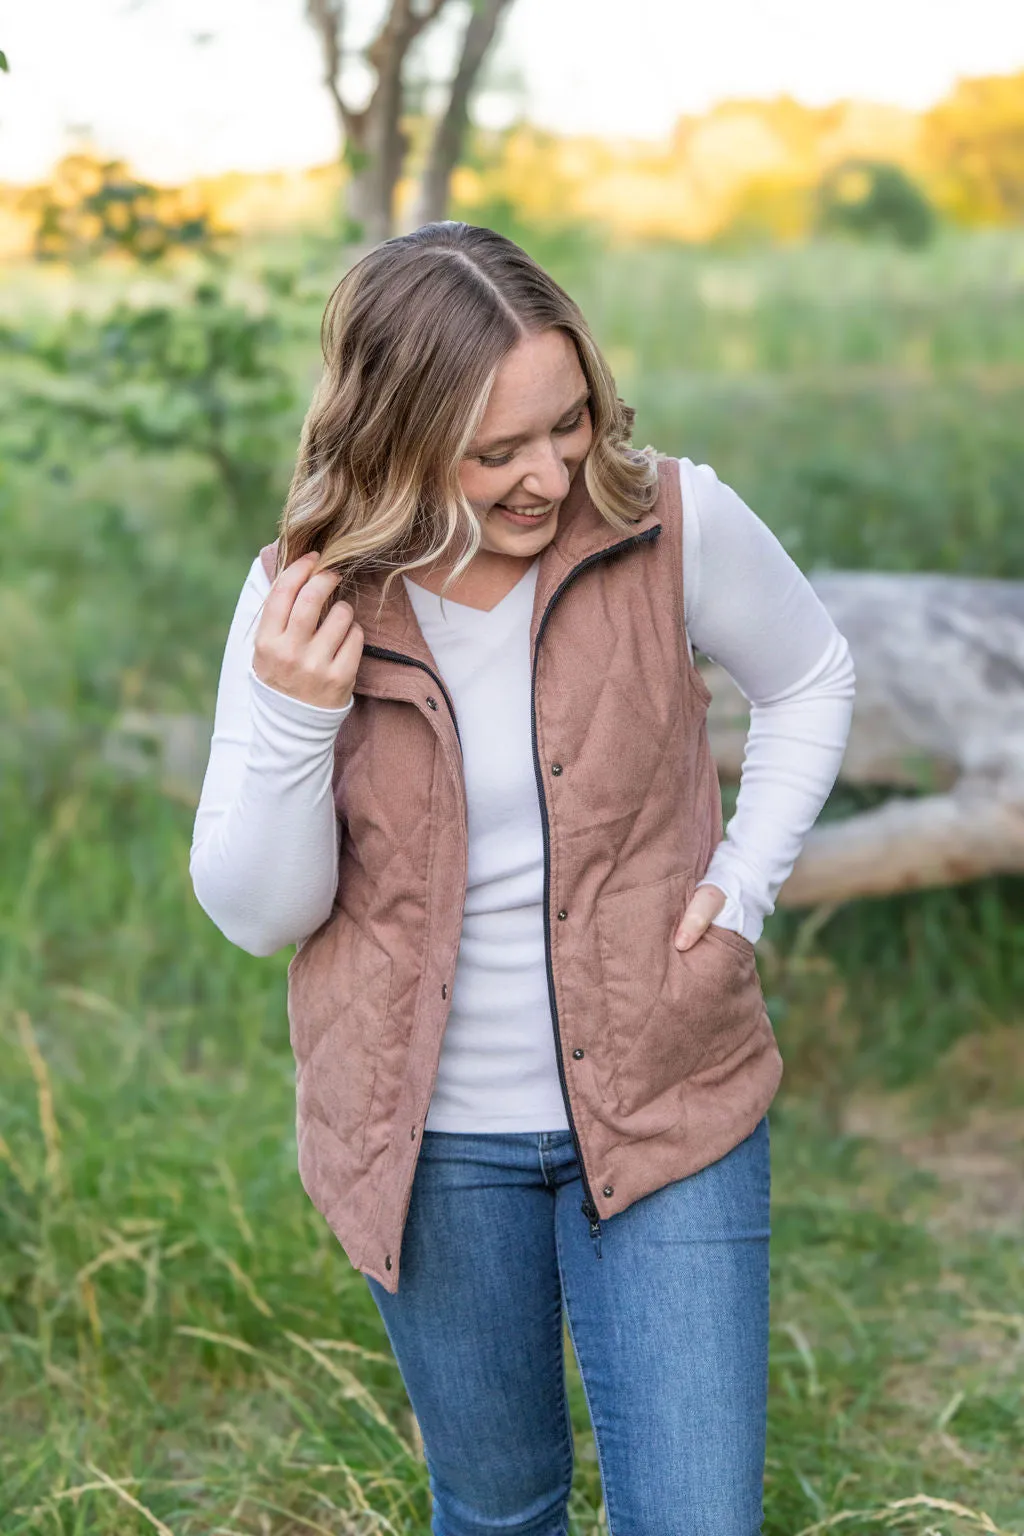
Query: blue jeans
<point x="668" y="1319"/>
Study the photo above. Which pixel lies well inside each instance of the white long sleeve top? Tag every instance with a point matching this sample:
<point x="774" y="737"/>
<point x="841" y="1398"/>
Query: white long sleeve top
<point x="264" y="857"/>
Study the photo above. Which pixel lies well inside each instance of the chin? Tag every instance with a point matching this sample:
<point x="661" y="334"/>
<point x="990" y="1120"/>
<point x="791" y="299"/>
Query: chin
<point x="507" y="540"/>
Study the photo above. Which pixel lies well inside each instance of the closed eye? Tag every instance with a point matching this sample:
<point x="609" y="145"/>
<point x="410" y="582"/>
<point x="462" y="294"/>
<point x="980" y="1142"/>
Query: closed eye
<point x="562" y="430"/>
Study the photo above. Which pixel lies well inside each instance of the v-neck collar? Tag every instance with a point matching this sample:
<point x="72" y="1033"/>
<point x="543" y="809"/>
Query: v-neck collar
<point x="480" y="613"/>
<point x="582" y="535"/>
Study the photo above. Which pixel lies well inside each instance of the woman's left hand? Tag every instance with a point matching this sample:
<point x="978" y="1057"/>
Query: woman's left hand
<point x="705" y="904"/>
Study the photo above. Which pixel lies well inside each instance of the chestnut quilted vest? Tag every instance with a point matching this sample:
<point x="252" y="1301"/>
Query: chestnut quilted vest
<point x="667" y="1059"/>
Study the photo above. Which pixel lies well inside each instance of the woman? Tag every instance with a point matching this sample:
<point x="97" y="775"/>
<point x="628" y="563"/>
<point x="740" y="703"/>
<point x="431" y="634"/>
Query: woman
<point x="460" y="759"/>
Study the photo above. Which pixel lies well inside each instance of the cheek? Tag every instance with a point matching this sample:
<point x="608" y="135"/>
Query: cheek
<point x="578" y="446"/>
<point x="469" y="479"/>
<point x="482" y="487"/>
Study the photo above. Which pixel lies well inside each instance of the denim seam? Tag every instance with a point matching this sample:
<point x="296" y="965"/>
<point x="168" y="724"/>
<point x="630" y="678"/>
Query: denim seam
<point x="586" y="1390"/>
<point x="568" y="1447"/>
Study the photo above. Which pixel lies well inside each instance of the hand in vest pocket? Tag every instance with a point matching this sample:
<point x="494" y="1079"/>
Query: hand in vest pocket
<point x="702" y="908"/>
<point x="672" y="1016"/>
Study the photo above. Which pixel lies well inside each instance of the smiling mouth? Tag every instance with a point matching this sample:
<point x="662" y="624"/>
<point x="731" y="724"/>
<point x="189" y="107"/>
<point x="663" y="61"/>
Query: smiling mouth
<point x="537" y="512"/>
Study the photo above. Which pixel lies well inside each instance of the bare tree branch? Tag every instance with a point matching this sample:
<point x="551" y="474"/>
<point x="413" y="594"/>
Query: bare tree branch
<point x="328" y="21"/>
<point x="446" y="144"/>
<point x="374" y="143"/>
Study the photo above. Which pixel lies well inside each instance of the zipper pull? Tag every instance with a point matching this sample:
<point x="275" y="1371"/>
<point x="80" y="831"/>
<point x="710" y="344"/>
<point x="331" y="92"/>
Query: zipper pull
<point x="590" y="1212"/>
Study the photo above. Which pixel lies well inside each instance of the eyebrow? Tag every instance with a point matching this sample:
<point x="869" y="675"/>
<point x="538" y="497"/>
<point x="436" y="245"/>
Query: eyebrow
<point x="507" y="442"/>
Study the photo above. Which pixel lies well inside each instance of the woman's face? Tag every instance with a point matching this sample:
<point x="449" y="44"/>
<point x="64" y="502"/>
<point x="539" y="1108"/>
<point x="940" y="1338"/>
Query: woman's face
<point x="535" y="433"/>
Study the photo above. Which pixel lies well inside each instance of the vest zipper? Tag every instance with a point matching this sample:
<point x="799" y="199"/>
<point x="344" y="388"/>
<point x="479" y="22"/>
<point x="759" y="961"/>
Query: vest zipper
<point x="410" y="661"/>
<point x="588" y="1205"/>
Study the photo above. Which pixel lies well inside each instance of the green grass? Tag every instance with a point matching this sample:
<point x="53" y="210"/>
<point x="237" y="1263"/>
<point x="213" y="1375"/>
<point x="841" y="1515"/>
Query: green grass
<point x="178" y="1328"/>
<point x="175" y="1316"/>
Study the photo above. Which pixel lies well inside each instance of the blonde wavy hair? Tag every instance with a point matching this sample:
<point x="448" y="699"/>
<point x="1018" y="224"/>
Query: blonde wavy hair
<point x="412" y="338"/>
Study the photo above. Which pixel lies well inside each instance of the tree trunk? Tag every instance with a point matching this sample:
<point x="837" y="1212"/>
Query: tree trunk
<point x="374" y="142"/>
<point x="370" y="193"/>
<point x="446" y="145"/>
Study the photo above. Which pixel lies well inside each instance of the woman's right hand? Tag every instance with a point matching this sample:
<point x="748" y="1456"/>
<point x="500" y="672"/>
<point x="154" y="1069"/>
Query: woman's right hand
<point x="316" y="665"/>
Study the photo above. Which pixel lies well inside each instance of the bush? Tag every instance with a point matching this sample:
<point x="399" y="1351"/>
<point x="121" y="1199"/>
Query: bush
<point x="96" y="207"/>
<point x="871" y="199"/>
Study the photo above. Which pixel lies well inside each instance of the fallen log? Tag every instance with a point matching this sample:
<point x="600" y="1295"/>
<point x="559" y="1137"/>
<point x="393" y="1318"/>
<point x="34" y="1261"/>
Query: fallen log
<point x="939" y="707"/>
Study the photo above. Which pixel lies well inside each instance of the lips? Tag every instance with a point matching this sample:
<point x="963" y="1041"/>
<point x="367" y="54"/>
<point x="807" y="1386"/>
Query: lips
<point x="537" y="512"/>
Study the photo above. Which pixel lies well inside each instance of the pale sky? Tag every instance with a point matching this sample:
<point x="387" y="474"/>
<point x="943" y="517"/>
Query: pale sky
<point x="248" y="97"/>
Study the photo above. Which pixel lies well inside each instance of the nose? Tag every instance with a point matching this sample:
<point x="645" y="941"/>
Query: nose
<point x="547" y="477"/>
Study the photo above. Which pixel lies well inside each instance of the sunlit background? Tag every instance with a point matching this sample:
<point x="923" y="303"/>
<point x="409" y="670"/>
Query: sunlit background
<point x="798" y="231"/>
<point x="668" y="125"/>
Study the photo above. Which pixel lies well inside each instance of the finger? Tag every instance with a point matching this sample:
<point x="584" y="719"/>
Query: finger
<point x="331" y="633"/>
<point x="702" y="910"/>
<point x="690" y="929"/>
<point x="346" y="658"/>
<point x="308" y="605"/>
<point x="277" y="605"/>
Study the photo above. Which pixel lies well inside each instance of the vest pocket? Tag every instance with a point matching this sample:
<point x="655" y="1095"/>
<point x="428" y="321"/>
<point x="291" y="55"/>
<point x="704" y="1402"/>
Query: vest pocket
<point x="339" y="988"/>
<point x="672" y="1014"/>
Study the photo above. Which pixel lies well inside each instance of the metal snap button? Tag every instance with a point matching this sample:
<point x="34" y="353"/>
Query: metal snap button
<point x="432" y="703"/>
<point x="444" y="989"/>
<point x="578" y="1053"/>
<point x="556" y="768"/>
<point x="562" y="915"/>
<point x="608" y="1190"/>
<point x="387" y="1262"/>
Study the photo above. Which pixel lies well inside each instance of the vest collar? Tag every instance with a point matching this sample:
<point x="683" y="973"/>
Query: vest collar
<point x="582" y="532"/>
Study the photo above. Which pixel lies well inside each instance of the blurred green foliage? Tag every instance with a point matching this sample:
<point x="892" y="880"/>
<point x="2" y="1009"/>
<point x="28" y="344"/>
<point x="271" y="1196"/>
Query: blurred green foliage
<point x="91" y="208"/>
<point x="870" y="198"/>
<point x="201" y="375"/>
